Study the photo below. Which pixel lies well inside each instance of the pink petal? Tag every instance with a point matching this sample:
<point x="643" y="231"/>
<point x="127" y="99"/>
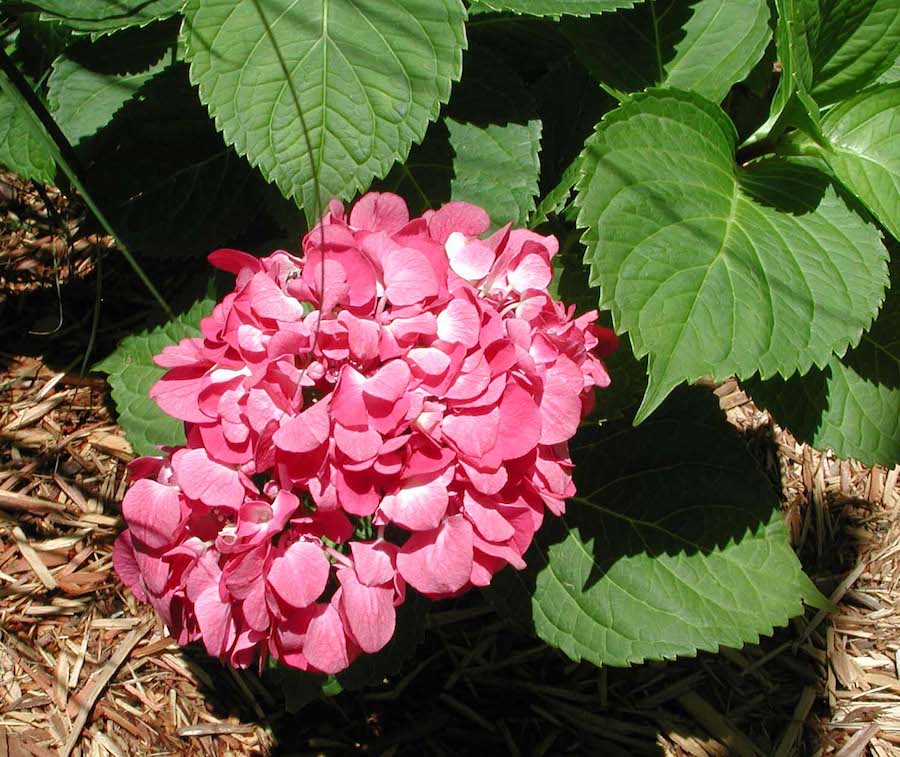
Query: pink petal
<point x="379" y="212"/>
<point x="561" y="402"/>
<point x="532" y="272"/>
<point x="458" y="216"/>
<point x="490" y="523"/>
<point x="217" y="628"/>
<point x="438" y="562"/>
<point x="421" y="506"/>
<point x="126" y="565"/>
<point x="233" y="261"/>
<point x="520" y="423"/>
<point x="305" y="432"/>
<point x="486" y="482"/>
<point x="389" y="382"/>
<point x="178" y="393"/>
<point x="268" y="301"/>
<point x="153" y="512"/>
<point x="373" y="561"/>
<point x="459" y="322"/>
<point x="325" y="647"/>
<point x="187" y="352"/>
<point x="202" y="479"/>
<point x="409" y="277"/>
<point x="300" y="574"/>
<point x="474" y="377"/>
<point x="347" y="404"/>
<point x="470" y="259"/>
<point x="369" y="611"/>
<point x="357" y="445"/>
<point x="473" y="434"/>
<point x="429" y="360"/>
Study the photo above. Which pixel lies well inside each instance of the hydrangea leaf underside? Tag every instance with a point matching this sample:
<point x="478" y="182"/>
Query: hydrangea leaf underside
<point x="23" y="146"/>
<point x="90" y="83"/>
<point x="864" y="135"/>
<point x="132" y="372"/>
<point x="858" y="41"/>
<point x="364" y="80"/>
<point x="106" y="16"/>
<point x="853" y="405"/>
<point x="555" y="7"/>
<point x="707" y="279"/>
<point x="497" y="168"/>
<point x="668" y="548"/>
<point x="704" y="46"/>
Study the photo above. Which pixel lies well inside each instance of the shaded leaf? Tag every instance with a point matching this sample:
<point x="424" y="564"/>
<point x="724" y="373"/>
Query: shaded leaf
<point x="864" y="137"/>
<point x="714" y="269"/>
<point x="359" y="80"/>
<point x="132" y="372"/>
<point x="496" y="168"/>
<point x="675" y="543"/>
<point x="167" y="182"/>
<point x="105" y="16"/>
<point x="92" y="81"/>
<point x="853" y="405"/>
<point x="705" y="46"/>
<point x="859" y="41"/>
<point x="555" y="7"/>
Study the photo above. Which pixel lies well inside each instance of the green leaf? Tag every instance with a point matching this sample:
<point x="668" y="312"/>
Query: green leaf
<point x="23" y="141"/>
<point x="704" y="46"/>
<point x="714" y="269"/>
<point x="557" y="199"/>
<point x="106" y="16"/>
<point x="132" y="372"/>
<point x="92" y="81"/>
<point x="892" y="74"/>
<point x="859" y="41"/>
<point x="853" y="405"/>
<point x="554" y="7"/>
<point x="365" y="78"/>
<point x="675" y="543"/>
<point x="496" y="168"/>
<point x="168" y="183"/>
<point x="864" y="134"/>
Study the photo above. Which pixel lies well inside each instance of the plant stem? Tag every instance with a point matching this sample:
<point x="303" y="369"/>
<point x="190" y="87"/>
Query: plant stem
<point x="68" y="161"/>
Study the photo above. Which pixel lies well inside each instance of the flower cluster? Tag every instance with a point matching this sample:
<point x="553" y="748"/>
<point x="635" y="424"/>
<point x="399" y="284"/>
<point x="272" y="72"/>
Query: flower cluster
<point x="392" y="408"/>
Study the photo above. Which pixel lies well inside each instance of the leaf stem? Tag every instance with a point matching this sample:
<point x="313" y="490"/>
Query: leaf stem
<point x="67" y="160"/>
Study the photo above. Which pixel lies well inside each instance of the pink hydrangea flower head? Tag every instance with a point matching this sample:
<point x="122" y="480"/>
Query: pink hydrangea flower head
<point x="391" y="409"/>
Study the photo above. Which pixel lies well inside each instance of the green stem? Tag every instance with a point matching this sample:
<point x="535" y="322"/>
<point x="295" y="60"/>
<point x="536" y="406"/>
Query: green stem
<point x="67" y="160"/>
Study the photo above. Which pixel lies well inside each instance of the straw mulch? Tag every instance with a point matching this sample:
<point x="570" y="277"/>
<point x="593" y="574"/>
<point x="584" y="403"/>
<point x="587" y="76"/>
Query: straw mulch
<point x="85" y="669"/>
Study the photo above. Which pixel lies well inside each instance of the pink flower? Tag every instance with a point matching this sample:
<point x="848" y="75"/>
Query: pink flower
<point x="405" y="379"/>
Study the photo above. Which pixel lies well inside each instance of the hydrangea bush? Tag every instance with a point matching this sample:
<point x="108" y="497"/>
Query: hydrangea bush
<point x="389" y="408"/>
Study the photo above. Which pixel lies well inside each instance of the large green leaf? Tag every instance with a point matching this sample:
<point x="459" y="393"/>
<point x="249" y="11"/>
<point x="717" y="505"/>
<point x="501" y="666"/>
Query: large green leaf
<point x="132" y="372"/>
<point x="105" y="16"/>
<point x="674" y="543"/>
<point x="555" y="7"/>
<point x="714" y="269"/>
<point x="167" y="182"/>
<point x="853" y="405"/>
<point x="705" y="46"/>
<point x="496" y="168"/>
<point x="859" y="40"/>
<point x="864" y="134"/>
<point x="23" y="141"/>
<point x="337" y="90"/>
<point x="92" y="81"/>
